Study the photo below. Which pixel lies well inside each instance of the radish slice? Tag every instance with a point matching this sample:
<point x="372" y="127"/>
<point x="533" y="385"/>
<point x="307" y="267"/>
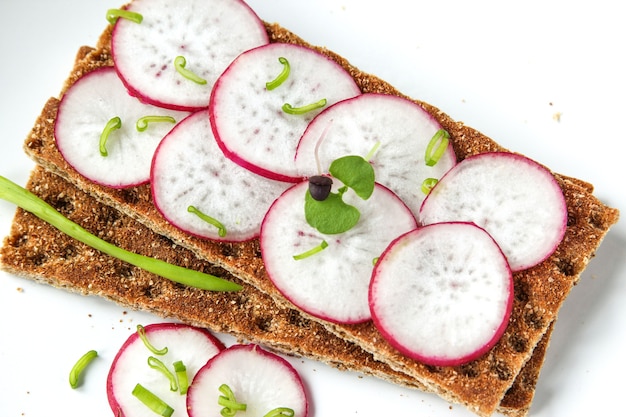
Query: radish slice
<point x="260" y="380"/>
<point x="213" y="34"/>
<point x="191" y="345"/>
<point x="333" y="283"/>
<point x="84" y="112"/>
<point x="247" y="117"/>
<point x="512" y="197"/>
<point x="190" y="170"/>
<point x="397" y="129"/>
<point x="442" y="294"/>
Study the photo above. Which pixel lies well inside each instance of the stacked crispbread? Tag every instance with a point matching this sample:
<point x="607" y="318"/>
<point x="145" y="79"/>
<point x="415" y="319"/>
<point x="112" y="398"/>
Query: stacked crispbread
<point x="259" y="313"/>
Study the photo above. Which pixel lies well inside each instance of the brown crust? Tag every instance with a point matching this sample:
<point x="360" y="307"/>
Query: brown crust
<point x="540" y="291"/>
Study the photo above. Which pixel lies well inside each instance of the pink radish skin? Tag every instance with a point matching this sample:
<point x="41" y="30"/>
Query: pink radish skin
<point x="85" y="110"/>
<point x="400" y="129"/>
<point x="190" y="169"/>
<point x="515" y="199"/>
<point x="333" y="283"/>
<point x="213" y="34"/>
<point x="260" y="379"/>
<point x="442" y="294"/>
<point x="248" y="120"/>
<point x="192" y="345"/>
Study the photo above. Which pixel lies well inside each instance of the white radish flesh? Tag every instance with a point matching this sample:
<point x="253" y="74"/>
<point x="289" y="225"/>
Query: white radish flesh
<point x="259" y="379"/>
<point x="193" y="346"/>
<point x="398" y="130"/>
<point x="333" y="283"/>
<point x="248" y="119"/>
<point x="515" y="199"/>
<point x="83" y="114"/>
<point x="213" y="34"/>
<point x="189" y="169"/>
<point x="442" y="294"/>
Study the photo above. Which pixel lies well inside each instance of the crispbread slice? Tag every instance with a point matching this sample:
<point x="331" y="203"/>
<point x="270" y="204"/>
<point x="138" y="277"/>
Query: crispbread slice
<point x="540" y="291"/>
<point x="40" y="252"/>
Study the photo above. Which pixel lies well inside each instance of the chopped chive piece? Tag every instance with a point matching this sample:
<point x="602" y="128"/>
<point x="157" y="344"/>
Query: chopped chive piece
<point x="280" y="412"/>
<point x="312" y="251"/>
<point x="30" y="202"/>
<point x="79" y="366"/>
<point x="180" y="63"/>
<point x="114" y="14"/>
<point x="113" y="124"/>
<point x="276" y="82"/>
<point x="181" y="377"/>
<point x="142" y="123"/>
<point x="228" y="401"/>
<point x="287" y="108"/>
<point x="432" y="156"/>
<point x="221" y="229"/>
<point x="151" y="401"/>
<point x="156" y="364"/>
<point x="428" y="184"/>
<point x="375" y="260"/>
<point x="141" y="331"/>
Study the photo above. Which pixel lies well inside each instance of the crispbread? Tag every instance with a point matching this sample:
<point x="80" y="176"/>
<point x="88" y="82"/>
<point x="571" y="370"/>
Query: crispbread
<point x="38" y="251"/>
<point x="540" y="291"/>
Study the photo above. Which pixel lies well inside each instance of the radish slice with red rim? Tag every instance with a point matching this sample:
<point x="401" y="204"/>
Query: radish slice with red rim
<point x="393" y="131"/>
<point x="516" y="200"/>
<point x="249" y="377"/>
<point x="196" y="188"/>
<point x="442" y="294"/>
<point x="332" y="281"/>
<point x="116" y="156"/>
<point x="213" y="34"/>
<point x="190" y="345"/>
<point x="248" y="118"/>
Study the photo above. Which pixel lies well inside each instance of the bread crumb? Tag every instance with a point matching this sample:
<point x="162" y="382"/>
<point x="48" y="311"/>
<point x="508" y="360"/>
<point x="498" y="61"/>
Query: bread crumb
<point x="20" y="289"/>
<point x="557" y="116"/>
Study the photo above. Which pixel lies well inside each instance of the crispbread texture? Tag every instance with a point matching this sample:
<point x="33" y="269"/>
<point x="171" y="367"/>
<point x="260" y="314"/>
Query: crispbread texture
<point x="539" y="292"/>
<point x="37" y="251"/>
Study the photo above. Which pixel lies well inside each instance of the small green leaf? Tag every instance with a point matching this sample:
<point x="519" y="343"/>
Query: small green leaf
<point x="355" y="172"/>
<point x="331" y="216"/>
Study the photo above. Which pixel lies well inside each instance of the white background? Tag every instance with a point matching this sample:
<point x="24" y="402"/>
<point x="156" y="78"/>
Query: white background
<point x="506" y="68"/>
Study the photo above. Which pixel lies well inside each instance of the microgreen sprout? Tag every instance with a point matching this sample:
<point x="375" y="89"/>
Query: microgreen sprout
<point x="441" y="139"/>
<point x="30" y="202"/>
<point x="79" y="366"/>
<point x="372" y="151"/>
<point x="158" y="365"/>
<point x="142" y="123"/>
<point x="311" y="251"/>
<point x="289" y="109"/>
<point x="320" y="186"/>
<point x="153" y="402"/>
<point x="114" y="14"/>
<point x="355" y="172"/>
<point x="113" y="124"/>
<point x="180" y="63"/>
<point x="141" y="332"/>
<point x="280" y="412"/>
<point x="229" y="402"/>
<point x="181" y="377"/>
<point x="221" y="229"/>
<point x="428" y="184"/>
<point x="280" y="78"/>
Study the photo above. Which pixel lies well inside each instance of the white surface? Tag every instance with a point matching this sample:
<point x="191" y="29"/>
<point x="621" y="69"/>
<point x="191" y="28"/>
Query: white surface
<point x="505" y="68"/>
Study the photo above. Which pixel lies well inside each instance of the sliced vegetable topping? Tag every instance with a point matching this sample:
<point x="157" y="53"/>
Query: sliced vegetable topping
<point x="80" y="366"/>
<point x="30" y="202"/>
<point x="180" y="63"/>
<point x="150" y="400"/>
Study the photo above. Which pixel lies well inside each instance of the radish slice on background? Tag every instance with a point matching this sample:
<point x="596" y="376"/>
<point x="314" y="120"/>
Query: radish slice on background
<point x="442" y="294"/>
<point x="259" y="379"/>
<point x="333" y="283"/>
<point x="84" y="112"/>
<point x="213" y="34"/>
<point x="247" y="117"/>
<point x="189" y="169"/>
<point x="191" y="345"/>
<point x="398" y="129"/>
<point x="515" y="199"/>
